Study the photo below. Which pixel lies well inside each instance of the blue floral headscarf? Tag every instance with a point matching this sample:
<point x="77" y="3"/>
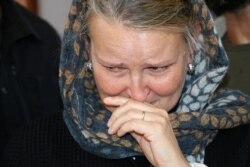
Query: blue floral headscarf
<point x="201" y="111"/>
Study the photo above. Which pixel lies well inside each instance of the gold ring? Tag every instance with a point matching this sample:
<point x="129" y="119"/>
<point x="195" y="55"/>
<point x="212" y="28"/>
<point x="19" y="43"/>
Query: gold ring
<point x="143" y="115"/>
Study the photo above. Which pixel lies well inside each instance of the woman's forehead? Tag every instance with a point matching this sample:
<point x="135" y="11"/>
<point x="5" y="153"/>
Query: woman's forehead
<point x="115" y="34"/>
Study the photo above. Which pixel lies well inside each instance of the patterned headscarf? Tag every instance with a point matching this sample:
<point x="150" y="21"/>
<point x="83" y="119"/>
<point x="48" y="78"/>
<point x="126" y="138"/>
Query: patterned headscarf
<point x="200" y="112"/>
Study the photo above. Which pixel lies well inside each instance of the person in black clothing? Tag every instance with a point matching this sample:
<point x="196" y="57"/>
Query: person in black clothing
<point x="48" y="143"/>
<point x="236" y="41"/>
<point x="29" y="58"/>
<point x="139" y="82"/>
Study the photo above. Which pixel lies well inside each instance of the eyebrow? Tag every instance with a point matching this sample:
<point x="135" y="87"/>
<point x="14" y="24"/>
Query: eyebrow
<point x="162" y="63"/>
<point x="108" y="63"/>
<point x="146" y="64"/>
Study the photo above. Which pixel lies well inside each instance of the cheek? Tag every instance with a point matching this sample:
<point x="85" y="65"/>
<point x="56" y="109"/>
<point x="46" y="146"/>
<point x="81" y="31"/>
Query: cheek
<point x="165" y="89"/>
<point x="107" y="85"/>
<point x="168" y="92"/>
<point x="170" y="85"/>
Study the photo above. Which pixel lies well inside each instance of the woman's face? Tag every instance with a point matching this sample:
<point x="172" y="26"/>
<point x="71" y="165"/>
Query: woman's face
<point x="146" y="66"/>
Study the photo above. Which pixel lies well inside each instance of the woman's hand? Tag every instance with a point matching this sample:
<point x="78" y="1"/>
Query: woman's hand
<point x="151" y="128"/>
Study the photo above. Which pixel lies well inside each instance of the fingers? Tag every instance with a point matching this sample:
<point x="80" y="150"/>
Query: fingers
<point x="125" y="108"/>
<point x="129" y="111"/>
<point x="132" y="116"/>
<point x="115" y="101"/>
<point x="122" y="101"/>
<point x="118" y="119"/>
<point x="146" y="129"/>
<point x="149" y="125"/>
<point x="136" y="126"/>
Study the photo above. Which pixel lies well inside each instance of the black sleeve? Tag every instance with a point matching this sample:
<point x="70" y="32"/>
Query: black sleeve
<point x="231" y="148"/>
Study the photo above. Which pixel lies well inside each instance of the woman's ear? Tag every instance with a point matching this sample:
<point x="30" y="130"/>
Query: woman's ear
<point x="194" y="44"/>
<point x="197" y="30"/>
<point x="189" y="58"/>
<point x="87" y="50"/>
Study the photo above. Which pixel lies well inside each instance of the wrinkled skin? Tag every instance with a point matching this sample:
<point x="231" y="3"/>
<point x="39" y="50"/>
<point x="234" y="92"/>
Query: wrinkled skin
<point x="140" y="71"/>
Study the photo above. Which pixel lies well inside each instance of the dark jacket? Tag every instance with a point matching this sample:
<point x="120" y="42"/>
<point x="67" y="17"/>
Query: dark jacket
<point x="48" y="143"/>
<point x="29" y="58"/>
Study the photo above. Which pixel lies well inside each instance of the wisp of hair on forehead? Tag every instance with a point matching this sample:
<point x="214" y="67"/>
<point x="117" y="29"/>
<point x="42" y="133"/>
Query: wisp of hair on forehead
<point x="168" y="15"/>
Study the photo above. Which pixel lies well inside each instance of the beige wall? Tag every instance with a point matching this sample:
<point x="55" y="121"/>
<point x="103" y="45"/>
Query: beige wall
<point x="55" y="12"/>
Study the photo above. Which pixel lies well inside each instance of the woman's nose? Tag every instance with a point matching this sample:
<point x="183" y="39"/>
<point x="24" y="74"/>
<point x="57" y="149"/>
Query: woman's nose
<point x="138" y="90"/>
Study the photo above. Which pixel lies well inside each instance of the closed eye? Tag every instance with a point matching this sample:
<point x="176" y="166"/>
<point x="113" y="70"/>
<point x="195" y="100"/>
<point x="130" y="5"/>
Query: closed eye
<point x="158" y="69"/>
<point x="114" y="68"/>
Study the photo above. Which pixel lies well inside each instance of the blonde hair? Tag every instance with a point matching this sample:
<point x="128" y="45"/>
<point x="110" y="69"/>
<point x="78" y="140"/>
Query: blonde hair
<point x="167" y="15"/>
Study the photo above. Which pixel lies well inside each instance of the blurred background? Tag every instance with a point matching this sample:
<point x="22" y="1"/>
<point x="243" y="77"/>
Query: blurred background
<point x="53" y="11"/>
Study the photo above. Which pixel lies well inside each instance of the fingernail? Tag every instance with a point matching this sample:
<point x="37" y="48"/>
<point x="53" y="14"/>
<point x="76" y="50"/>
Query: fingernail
<point x="110" y="131"/>
<point x="107" y="99"/>
<point x="108" y="124"/>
